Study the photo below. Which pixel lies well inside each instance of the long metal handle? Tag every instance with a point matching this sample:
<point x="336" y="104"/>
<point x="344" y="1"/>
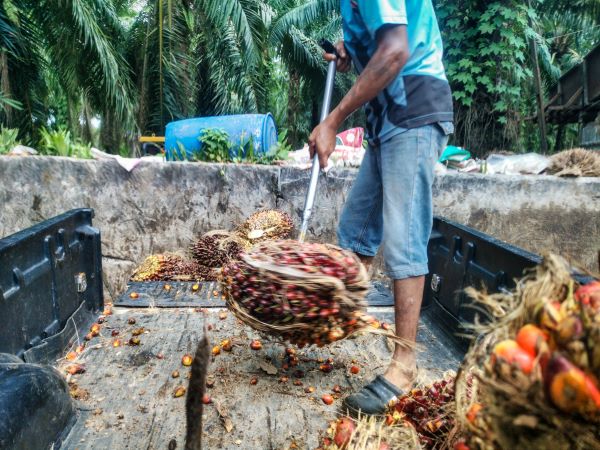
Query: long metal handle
<point x="314" y="177"/>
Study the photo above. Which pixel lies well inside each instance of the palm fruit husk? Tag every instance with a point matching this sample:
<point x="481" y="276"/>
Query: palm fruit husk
<point x="577" y="162"/>
<point x="520" y="409"/>
<point x="266" y="225"/>
<point x="299" y="292"/>
<point x="216" y="248"/>
<point x="171" y="267"/>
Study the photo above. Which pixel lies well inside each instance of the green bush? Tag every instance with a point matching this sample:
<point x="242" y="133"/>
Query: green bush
<point x="60" y="143"/>
<point x="8" y="139"/>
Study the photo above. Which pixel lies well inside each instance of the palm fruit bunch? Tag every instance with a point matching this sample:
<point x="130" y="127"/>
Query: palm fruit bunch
<point x="563" y="347"/>
<point x="539" y="360"/>
<point x="270" y="224"/>
<point x="428" y="410"/>
<point x="215" y="248"/>
<point x="300" y="292"/>
<point x="171" y="267"/>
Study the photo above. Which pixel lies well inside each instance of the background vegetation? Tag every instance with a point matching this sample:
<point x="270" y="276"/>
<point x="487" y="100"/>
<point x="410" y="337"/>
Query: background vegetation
<point x="75" y="73"/>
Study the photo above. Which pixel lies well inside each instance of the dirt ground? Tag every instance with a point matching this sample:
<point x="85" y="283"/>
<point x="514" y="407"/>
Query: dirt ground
<point x="126" y="400"/>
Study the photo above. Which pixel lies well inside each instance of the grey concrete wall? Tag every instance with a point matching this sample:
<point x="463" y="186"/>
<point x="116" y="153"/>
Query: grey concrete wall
<point x="163" y="206"/>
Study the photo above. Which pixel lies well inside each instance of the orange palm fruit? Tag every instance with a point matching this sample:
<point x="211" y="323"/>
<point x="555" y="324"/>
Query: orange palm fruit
<point x="510" y="352"/>
<point x="570" y="389"/>
<point x="532" y="339"/>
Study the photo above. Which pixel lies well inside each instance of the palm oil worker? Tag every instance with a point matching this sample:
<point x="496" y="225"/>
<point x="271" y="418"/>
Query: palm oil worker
<point x="396" y="47"/>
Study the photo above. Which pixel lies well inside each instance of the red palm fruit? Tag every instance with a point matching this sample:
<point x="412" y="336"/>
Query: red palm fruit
<point x="532" y="339"/>
<point x="327" y="399"/>
<point x="343" y="432"/>
<point x="510" y="352"/>
<point x="589" y="295"/>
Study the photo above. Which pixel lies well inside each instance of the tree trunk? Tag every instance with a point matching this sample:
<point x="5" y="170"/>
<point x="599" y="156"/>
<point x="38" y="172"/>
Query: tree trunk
<point x="5" y="87"/>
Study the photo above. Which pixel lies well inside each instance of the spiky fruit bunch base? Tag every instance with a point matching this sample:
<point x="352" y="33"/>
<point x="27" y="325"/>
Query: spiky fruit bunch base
<point x="170" y="267"/>
<point x="302" y="293"/>
<point x="266" y="225"/>
<point x="214" y="249"/>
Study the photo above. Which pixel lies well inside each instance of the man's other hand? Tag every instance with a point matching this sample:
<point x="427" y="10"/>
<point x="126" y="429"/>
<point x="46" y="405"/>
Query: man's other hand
<point x="344" y="63"/>
<point x="322" y="141"/>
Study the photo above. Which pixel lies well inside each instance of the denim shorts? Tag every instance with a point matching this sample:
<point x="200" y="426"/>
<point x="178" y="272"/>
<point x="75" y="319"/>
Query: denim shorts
<point x="391" y="200"/>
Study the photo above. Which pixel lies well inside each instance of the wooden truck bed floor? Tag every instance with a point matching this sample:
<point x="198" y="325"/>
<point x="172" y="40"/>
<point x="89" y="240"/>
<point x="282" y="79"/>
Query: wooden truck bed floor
<point x="125" y="398"/>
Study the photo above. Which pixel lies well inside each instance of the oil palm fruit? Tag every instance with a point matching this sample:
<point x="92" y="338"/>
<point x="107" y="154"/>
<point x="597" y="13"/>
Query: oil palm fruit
<point x="266" y="225"/>
<point x="170" y="267"/>
<point x="215" y="249"/>
<point x="571" y="389"/>
<point x="315" y="291"/>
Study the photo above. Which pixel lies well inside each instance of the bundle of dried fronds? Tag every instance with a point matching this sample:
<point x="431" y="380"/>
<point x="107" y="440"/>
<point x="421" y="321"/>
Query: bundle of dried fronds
<point x="369" y="433"/>
<point x="577" y="162"/>
<point x="529" y="380"/>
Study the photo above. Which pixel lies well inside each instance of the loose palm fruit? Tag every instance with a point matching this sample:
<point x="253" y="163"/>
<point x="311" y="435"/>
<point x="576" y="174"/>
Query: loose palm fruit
<point x="187" y="359"/>
<point x="327" y="399"/>
<point x="179" y="391"/>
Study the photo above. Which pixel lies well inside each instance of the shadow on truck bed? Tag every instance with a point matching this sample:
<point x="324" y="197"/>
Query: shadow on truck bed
<point x="51" y="293"/>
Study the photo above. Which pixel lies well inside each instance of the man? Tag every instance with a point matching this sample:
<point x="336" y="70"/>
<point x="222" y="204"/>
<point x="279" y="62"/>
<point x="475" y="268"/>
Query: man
<point x="396" y="48"/>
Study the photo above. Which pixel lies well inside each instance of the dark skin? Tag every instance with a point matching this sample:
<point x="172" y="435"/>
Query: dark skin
<point x="385" y="65"/>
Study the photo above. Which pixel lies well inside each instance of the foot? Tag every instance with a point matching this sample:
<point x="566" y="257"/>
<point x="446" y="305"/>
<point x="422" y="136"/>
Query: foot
<point x="402" y="371"/>
<point x="374" y="398"/>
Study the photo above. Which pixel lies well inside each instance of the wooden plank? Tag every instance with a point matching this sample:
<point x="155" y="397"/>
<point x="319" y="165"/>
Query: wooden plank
<point x="130" y="401"/>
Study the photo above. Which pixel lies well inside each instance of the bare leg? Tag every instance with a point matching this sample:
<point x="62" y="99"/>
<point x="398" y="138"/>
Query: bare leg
<point x="408" y="295"/>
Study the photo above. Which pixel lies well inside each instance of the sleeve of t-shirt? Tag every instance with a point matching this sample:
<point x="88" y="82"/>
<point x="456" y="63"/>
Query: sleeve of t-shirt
<point x="377" y="13"/>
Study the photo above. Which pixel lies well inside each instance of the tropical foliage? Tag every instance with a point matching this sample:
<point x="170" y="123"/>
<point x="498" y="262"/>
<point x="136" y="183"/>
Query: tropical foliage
<point x="105" y="71"/>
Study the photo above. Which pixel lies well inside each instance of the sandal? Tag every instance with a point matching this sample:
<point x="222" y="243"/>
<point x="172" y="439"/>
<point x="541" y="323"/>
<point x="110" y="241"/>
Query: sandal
<point x="374" y="398"/>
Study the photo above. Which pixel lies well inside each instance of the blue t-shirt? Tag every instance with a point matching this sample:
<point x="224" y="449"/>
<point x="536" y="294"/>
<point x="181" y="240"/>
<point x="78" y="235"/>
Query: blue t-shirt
<point x="420" y="94"/>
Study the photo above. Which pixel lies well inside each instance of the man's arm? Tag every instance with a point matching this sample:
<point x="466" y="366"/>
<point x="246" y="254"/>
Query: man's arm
<point x="387" y="62"/>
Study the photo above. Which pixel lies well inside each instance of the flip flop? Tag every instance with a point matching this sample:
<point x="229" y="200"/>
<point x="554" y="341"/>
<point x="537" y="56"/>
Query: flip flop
<point x="374" y="398"/>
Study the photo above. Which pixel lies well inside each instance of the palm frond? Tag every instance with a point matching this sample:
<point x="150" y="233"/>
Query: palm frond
<point x="302" y="17"/>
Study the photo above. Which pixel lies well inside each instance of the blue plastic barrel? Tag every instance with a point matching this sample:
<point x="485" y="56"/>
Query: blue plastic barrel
<point x="240" y="128"/>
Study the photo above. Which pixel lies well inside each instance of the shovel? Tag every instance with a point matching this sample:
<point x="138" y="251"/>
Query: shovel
<point x="314" y="177"/>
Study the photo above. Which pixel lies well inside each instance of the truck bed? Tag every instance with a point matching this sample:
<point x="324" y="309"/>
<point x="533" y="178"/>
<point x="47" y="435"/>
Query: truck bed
<point x="125" y="397"/>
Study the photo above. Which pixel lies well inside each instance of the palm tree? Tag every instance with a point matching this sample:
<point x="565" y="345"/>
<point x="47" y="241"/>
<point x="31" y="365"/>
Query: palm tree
<point x="61" y="52"/>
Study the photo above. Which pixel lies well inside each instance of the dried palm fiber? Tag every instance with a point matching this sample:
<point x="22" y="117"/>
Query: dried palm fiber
<point x="577" y="162"/>
<point x="300" y="292"/>
<point x="516" y="412"/>
<point x="215" y="248"/>
<point x="265" y="225"/>
<point x="171" y="267"/>
<point x="372" y="433"/>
